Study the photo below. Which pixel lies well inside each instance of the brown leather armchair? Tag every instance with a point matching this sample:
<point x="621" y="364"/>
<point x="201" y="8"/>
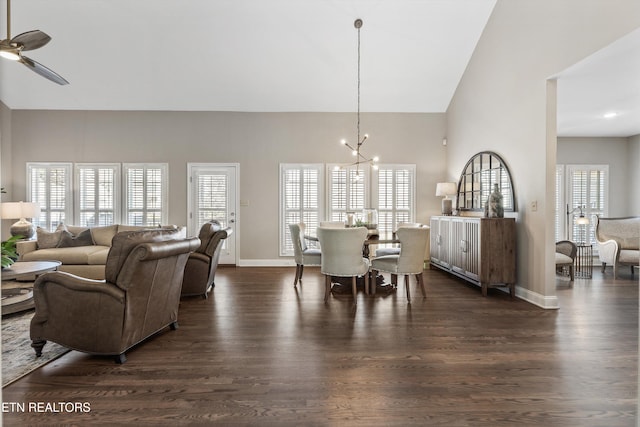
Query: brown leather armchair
<point x="139" y="296"/>
<point x="200" y="271"/>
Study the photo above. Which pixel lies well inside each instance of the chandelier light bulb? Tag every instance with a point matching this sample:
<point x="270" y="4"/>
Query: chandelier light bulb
<point x="343" y="141"/>
<point x="354" y="152"/>
<point x="376" y="159"/>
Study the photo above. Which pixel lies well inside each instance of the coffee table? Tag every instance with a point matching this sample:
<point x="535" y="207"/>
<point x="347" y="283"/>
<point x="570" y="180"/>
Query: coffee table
<point x="18" y="295"/>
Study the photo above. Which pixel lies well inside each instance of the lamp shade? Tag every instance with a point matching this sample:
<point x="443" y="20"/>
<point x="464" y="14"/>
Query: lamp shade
<point x="445" y="188"/>
<point x="582" y="220"/>
<point x="18" y="210"/>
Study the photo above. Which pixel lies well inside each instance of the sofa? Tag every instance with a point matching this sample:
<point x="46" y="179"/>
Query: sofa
<point x="618" y="242"/>
<point x="81" y="250"/>
<point x="139" y="297"/>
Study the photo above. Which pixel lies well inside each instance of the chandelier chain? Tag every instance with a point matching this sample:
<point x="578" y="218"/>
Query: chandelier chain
<point x="358" y="113"/>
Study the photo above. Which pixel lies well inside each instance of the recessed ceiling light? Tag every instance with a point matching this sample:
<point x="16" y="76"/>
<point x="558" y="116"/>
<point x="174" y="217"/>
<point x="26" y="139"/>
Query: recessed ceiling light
<point x="610" y="115"/>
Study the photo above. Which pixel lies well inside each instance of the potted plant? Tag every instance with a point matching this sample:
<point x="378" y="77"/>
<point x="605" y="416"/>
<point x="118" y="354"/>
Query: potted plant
<point x="9" y="255"/>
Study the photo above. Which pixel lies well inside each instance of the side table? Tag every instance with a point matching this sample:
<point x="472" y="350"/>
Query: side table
<point x="584" y="261"/>
<point x="18" y="296"/>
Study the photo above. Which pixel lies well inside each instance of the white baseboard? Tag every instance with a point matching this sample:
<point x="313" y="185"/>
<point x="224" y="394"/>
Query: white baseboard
<point x="549" y="303"/>
<point x="284" y="262"/>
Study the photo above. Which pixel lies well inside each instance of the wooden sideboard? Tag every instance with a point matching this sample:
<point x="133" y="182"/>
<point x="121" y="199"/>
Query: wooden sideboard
<point x="479" y="250"/>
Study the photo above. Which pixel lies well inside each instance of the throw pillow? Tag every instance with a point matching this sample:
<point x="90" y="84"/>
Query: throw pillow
<point x="68" y="240"/>
<point x="104" y="234"/>
<point x="47" y="239"/>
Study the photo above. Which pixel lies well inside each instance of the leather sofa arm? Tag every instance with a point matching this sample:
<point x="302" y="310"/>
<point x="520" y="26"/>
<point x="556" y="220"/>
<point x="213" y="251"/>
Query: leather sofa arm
<point x="197" y="256"/>
<point x="166" y="249"/>
<point x="215" y="239"/>
<point x="76" y="283"/>
<point x="154" y="252"/>
<point x="25" y="246"/>
<point x="608" y="251"/>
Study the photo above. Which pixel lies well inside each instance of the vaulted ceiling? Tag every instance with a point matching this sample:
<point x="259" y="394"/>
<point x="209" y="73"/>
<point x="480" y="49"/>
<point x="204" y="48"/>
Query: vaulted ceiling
<point x="250" y="55"/>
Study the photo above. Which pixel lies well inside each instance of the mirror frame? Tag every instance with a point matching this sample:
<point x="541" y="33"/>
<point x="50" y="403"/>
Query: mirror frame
<point x="489" y="167"/>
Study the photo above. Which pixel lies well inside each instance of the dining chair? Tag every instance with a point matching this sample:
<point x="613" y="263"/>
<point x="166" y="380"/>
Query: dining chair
<point x="395" y="250"/>
<point x="332" y="224"/>
<point x="410" y="260"/>
<point x="303" y="255"/>
<point x="342" y="256"/>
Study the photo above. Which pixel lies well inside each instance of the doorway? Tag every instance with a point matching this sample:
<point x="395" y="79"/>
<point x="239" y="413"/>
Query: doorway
<point x="213" y="194"/>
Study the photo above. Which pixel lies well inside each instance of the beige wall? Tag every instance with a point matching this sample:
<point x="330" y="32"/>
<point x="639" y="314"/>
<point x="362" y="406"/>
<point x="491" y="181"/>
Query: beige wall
<point x="5" y="163"/>
<point x="603" y="151"/>
<point x="505" y="104"/>
<point x="259" y="142"/>
<point x="633" y="169"/>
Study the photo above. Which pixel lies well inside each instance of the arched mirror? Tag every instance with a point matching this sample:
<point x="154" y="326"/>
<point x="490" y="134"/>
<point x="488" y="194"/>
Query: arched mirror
<point x="478" y="177"/>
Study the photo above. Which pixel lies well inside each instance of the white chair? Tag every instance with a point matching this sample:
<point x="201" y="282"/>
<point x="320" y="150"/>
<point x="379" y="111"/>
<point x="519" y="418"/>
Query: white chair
<point x="342" y="256"/>
<point x="332" y="224"/>
<point x="410" y="260"/>
<point x="396" y="250"/>
<point x="566" y="252"/>
<point x="302" y="254"/>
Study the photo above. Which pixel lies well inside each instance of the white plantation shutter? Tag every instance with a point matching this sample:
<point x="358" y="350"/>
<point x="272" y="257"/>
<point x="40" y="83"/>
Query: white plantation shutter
<point x="300" y="200"/>
<point x="394" y="192"/>
<point x="345" y="192"/>
<point x="560" y="205"/>
<point x="588" y="186"/>
<point x="211" y="198"/>
<point x="97" y="194"/>
<point x="49" y="185"/>
<point x="146" y="189"/>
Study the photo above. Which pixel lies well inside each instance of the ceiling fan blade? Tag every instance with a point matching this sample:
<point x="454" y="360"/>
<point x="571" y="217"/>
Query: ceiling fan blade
<point x="43" y="71"/>
<point x="31" y="39"/>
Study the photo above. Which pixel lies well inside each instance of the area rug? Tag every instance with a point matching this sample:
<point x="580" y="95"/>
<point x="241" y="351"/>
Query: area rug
<point x="18" y="357"/>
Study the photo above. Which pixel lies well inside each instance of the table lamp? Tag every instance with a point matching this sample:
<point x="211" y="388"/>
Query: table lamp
<point x="20" y="210"/>
<point x="446" y="189"/>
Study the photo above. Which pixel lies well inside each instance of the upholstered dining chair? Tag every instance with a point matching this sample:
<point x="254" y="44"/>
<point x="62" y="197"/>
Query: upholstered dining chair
<point x="303" y="255"/>
<point x="342" y="256"/>
<point x="410" y="260"/>
<point x="395" y="250"/>
<point x="332" y="224"/>
<point x="566" y="252"/>
<point x="200" y="271"/>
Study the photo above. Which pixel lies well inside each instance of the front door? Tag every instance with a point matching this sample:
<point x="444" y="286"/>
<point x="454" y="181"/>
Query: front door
<point x="213" y="195"/>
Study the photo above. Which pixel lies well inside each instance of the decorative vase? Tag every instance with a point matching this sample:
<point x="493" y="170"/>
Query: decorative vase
<point x="494" y="207"/>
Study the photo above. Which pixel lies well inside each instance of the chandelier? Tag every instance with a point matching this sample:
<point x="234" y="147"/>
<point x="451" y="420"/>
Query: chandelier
<point x="360" y="158"/>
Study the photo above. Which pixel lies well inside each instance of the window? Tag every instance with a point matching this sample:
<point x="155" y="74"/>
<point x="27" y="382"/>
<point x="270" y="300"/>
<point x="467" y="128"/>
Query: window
<point x="97" y="188"/>
<point x="49" y="185"/>
<point x="97" y="194"/>
<point x="145" y="198"/>
<point x="585" y="186"/>
<point x="560" y="196"/>
<point x="394" y="195"/>
<point x="300" y="200"/>
<point x="346" y="193"/>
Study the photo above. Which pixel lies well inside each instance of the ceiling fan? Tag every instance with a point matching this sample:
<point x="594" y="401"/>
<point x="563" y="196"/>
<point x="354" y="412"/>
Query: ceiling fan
<point x="11" y="48"/>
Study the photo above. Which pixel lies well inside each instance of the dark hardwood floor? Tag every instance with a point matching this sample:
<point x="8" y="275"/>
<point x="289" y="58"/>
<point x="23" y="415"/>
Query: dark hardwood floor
<point x="259" y="352"/>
